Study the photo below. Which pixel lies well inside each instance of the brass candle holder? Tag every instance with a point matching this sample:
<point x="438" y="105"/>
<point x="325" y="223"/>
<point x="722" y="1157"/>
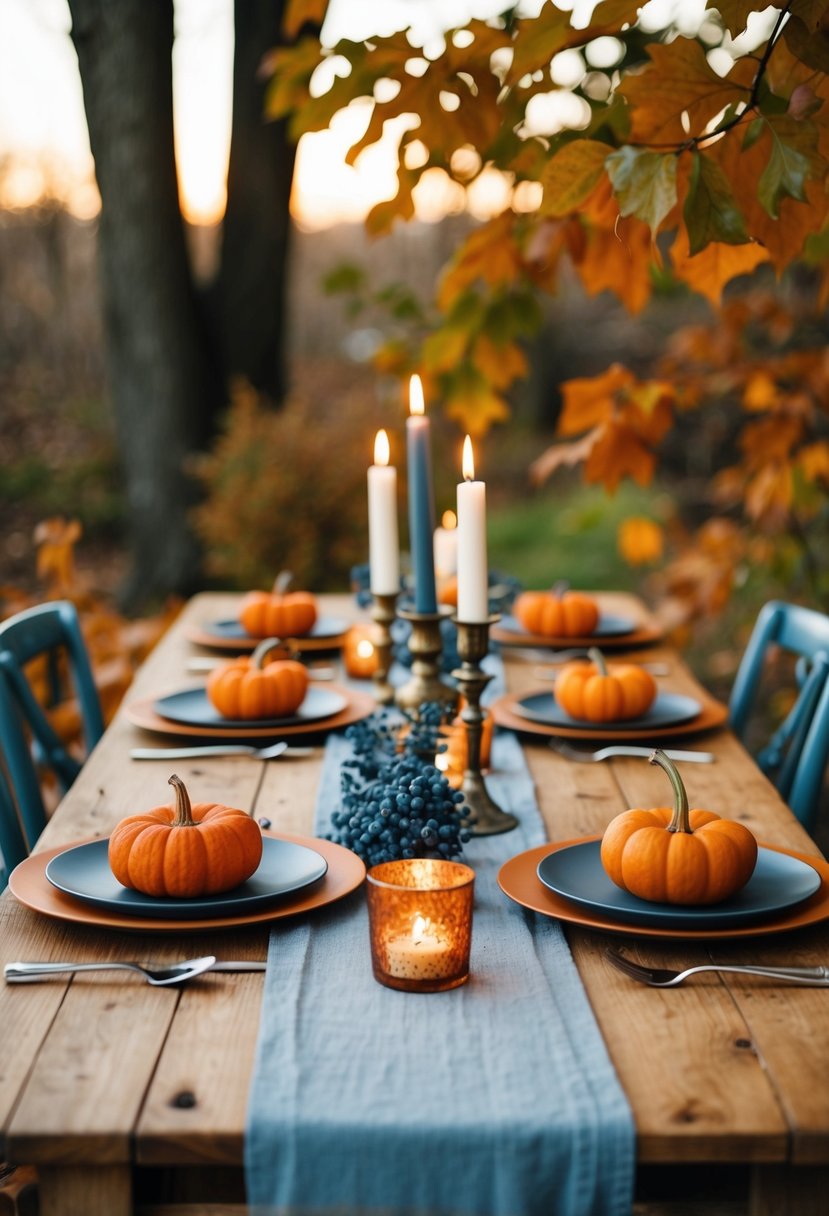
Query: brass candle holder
<point x="383" y="612"/>
<point x="487" y="818"/>
<point x="425" y="647"/>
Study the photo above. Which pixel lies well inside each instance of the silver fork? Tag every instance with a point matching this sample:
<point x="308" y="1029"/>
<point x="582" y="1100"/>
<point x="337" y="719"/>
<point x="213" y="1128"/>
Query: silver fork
<point x="160" y="976"/>
<point x="660" y="977"/>
<point x="623" y="749"/>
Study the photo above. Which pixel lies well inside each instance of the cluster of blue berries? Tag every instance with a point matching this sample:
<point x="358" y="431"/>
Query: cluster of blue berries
<point x="396" y="804"/>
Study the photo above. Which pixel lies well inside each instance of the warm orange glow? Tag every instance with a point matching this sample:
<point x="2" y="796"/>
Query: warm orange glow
<point x="365" y="648"/>
<point x="416" y="402"/>
<point x="449" y="520"/>
<point x="381" y="448"/>
<point x="468" y="460"/>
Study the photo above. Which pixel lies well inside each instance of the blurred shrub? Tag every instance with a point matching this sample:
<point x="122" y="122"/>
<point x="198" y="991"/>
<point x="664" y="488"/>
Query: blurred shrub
<point x="287" y="490"/>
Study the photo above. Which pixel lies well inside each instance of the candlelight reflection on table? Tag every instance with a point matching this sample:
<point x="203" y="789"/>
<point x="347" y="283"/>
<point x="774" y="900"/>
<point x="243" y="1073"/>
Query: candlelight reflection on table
<point x="420" y="923"/>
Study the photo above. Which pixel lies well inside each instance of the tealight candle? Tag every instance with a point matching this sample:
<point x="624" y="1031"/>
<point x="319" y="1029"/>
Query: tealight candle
<point x="421" y="500"/>
<point x="420" y="921"/>
<point x="359" y="654"/>
<point x="473" y="574"/>
<point x="383" y="544"/>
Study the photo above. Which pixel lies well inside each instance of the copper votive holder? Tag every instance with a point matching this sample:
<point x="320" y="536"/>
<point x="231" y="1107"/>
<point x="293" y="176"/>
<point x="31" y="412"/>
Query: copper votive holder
<point x="420" y="923"/>
<point x="426" y="648"/>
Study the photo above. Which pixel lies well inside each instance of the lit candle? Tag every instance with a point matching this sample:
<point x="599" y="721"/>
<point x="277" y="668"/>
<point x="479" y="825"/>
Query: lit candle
<point x="420" y="954"/>
<point x="383" y="545"/>
<point x="473" y="577"/>
<point x="446" y="546"/>
<point x="421" y="500"/>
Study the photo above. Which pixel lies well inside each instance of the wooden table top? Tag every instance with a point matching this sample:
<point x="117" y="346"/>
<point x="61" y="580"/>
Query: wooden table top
<point x="107" y="1071"/>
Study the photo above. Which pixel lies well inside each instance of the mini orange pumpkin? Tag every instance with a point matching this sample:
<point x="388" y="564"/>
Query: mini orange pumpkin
<point x="279" y="612"/>
<point x="598" y="692"/>
<point x="557" y="613"/>
<point x="678" y="856"/>
<point x="250" y="688"/>
<point x="185" y="851"/>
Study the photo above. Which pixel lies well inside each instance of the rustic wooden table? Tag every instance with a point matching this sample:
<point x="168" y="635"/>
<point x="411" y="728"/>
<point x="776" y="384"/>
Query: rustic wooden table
<point x="121" y="1093"/>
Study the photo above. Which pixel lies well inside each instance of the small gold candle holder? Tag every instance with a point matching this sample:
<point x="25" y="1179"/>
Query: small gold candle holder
<point x="420" y="923"/>
<point x="383" y="612"/>
<point x="425" y="647"/>
<point x="486" y="817"/>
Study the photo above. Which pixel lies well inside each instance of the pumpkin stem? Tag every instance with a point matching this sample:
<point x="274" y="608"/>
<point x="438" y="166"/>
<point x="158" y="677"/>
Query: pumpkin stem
<point x="283" y="581"/>
<point x="596" y="656"/>
<point x="560" y="587"/>
<point x="680" y="821"/>
<point x="257" y="659"/>
<point x="184" y="811"/>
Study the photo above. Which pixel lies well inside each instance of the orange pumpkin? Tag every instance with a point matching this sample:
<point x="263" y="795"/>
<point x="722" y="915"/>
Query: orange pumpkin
<point x="279" y="612"/>
<point x="678" y="856"/>
<point x="251" y="688"/>
<point x="597" y="692"/>
<point x="185" y="851"/>
<point x="557" y="613"/>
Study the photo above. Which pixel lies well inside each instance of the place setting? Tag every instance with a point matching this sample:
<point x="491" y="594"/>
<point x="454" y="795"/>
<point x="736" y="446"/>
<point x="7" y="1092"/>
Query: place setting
<point x="292" y="615"/>
<point x="253" y="698"/>
<point x="562" y="618"/>
<point x="593" y="699"/>
<point x="621" y="881"/>
<point x="124" y="882"/>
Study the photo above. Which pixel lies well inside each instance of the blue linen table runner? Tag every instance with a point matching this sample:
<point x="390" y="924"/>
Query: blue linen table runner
<point x="494" y="1099"/>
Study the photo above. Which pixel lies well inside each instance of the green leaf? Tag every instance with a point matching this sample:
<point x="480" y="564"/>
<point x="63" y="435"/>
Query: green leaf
<point x="710" y="212"/>
<point x="346" y="277"/>
<point x="644" y="184"/>
<point x="571" y="176"/>
<point x="793" y="150"/>
<point x="753" y="133"/>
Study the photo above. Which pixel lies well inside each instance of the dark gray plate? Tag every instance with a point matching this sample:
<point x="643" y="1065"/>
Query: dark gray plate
<point x="83" y="872"/>
<point x="778" y="882"/>
<point x="193" y="708"/>
<point x="231" y="630"/>
<point x="668" y="709"/>
<point x="608" y="627"/>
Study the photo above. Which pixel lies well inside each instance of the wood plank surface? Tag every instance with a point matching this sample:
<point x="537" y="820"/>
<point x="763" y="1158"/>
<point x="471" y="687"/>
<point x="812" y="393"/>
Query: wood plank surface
<point x="723" y="1069"/>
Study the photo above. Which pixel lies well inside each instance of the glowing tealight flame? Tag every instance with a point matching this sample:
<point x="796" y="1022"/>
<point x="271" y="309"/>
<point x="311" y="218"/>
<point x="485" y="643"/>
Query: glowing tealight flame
<point x="381" y="448"/>
<point x="420" y="927"/>
<point x="365" y="648"/>
<point x="449" y="520"/>
<point x="468" y="461"/>
<point x="416" y="403"/>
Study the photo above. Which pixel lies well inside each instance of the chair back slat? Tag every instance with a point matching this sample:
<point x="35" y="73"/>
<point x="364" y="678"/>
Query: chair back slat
<point x="28" y="740"/>
<point x="795" y="756"/>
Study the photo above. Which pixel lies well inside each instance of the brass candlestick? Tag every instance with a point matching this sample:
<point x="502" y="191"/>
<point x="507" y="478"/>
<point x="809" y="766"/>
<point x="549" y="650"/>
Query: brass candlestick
<point x="487" y="818"/>
<point x="383" y="614"/>
<point x="425" y="647"/>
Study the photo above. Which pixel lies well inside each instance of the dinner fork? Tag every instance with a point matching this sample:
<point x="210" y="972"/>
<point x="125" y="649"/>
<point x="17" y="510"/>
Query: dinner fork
<point x="623" y="749"/>
<point x="661" y="977"/>
<point x="160" y="976"/>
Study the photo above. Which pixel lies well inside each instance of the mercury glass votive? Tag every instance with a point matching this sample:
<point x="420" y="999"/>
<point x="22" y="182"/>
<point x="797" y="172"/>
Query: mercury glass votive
<point x="420" y="923"/>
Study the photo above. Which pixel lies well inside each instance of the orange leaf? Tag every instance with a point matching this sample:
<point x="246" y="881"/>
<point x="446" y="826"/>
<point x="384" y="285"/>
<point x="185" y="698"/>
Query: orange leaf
<point x="760" y="392"/>
<point x="770" y="440"/>
<point x="618" y="259"/>
<point x="640" y="541"/>
<point x="499" y="363"/>
<point x="717" y="264"/>
<point x="769" y="494"/>
<point x="489" y="253"/>
<point x="303" y="12"/>
<point x="814" y="461"/>
<point x="593" y="399"/>
<point x="619" y="452"/>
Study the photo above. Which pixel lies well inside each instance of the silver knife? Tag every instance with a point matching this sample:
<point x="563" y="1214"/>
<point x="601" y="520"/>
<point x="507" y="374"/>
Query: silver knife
<point x="238" y="965"/>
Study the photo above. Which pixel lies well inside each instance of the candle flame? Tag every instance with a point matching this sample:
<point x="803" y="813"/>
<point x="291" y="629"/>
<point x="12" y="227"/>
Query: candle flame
<point x="381" y="448"/>
<point x="365" y="648"/>
<point x="449" y="520"/>
<point x="416" y="403"/>
<point x="420" y="926"/>
<point x="468" y="460"/>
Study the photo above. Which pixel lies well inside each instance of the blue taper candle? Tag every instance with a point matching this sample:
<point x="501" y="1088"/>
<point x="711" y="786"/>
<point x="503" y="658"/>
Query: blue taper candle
<point x="421" y="500"/>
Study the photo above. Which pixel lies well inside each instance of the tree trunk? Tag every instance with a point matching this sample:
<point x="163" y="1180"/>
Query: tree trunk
<point x="256" y="233"/>
<point x="163" y="387"/>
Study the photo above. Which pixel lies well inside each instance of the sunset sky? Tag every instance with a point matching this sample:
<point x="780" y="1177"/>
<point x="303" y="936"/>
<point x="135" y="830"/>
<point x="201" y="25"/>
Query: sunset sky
<point x="43" y="138"/>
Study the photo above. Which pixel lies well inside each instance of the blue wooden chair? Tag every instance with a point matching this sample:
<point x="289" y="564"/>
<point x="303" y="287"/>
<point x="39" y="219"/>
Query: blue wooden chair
<point x="795" y="756"/>
<point x="28" y="742"/>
